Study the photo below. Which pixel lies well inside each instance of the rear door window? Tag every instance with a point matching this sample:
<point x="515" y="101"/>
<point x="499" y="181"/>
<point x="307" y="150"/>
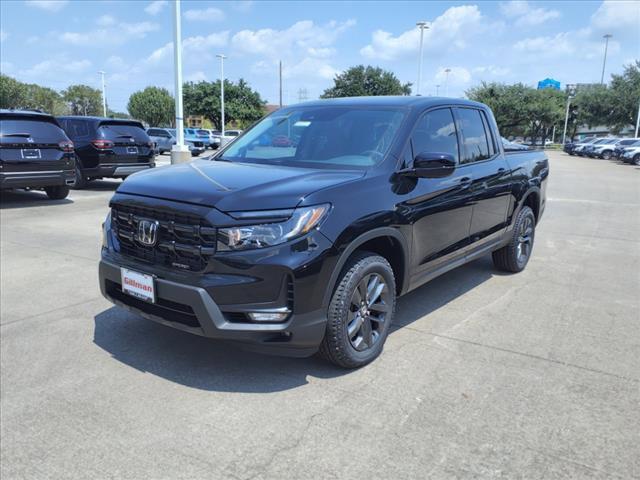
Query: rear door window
<point x="78" y="128"/>
<point x="435" y="132"/>
<point x="475" y="144"/>
<point x="29" y="130"/>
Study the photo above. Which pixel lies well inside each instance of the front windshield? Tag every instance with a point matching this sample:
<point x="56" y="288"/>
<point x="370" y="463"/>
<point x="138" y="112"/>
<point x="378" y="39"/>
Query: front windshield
<point x="319" y="137"/>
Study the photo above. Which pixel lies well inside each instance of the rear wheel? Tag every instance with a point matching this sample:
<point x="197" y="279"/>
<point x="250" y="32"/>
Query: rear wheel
<point x="81" y="179"/>
<point x="57" y="193"/>
<point x="606" y="155"/>
<point x="360" y="312"/>
<point x="515" y="256"/>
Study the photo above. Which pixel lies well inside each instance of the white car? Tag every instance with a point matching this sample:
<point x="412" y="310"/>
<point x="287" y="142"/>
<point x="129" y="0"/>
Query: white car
<point x="631" y="154"/>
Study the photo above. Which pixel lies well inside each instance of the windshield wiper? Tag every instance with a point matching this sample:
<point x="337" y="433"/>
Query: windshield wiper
<point x="15" y="135"/>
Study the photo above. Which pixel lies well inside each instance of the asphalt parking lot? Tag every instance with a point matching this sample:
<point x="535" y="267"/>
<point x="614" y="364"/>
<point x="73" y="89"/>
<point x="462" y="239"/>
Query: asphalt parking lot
<point x="485" y="375"/>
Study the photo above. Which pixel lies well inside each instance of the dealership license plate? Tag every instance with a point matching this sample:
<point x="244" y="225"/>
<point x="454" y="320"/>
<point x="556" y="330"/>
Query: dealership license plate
<point x="132" y="150"/>
<point x="138" y="285"/>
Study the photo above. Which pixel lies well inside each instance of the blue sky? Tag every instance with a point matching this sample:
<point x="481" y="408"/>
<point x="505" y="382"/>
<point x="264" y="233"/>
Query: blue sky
<point x="57" y="43"/>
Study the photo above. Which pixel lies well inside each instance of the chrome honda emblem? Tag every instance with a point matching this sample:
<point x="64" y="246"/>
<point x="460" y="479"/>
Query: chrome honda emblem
<point x="147" y="232"/>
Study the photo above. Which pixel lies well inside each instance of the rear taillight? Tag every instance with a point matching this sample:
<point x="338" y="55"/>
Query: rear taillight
<point x="66" y="146"/>
<point x="102" y="144"/>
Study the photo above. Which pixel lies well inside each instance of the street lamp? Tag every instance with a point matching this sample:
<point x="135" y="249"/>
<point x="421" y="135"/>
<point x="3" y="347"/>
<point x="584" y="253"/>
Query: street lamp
<point x="221" y="57"/>
<point x="606" y="37"/>
<point x="104" y="95"/>
<point x="447" y="71"/>
<point x="571" y="91"/>
<point x="437" y="90"/>
<point x="422" y="26"/>
<point x="179" y="152"/>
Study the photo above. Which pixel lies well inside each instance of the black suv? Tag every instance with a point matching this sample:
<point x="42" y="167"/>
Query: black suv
<point x="35" y="153"/>
<point x="295" y="246"/>
<point x="107" y="147"/>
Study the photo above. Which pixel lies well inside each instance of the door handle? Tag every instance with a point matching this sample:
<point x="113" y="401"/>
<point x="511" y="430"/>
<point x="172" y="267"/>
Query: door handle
<point x="465" y="181"/>
<point x="501" y="170"/>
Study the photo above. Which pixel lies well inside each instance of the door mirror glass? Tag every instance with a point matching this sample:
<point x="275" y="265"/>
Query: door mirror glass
<point x="434" y="164"/>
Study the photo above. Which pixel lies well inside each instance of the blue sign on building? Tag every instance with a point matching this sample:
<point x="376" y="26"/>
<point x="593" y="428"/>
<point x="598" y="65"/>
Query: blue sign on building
<point x="548" y="83"/>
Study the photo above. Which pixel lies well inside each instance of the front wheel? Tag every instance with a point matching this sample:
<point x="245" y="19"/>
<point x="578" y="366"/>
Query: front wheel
<point x="360" y="312"/>
<point x="636" y="160"/>
<point x="515" y="256"/>
<point x="606" y="155"/>
<point x="57" y="193"/>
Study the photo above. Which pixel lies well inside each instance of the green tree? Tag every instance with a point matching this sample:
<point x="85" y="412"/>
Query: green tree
<point x="153" y="105"/>
<point x="83" y="100"/>
<point x="242" y="104"/>
<point x="522" y="110"/>
<point x="12" y="92"/>
<point x="625" y="95"/>
<point x="591" y="106"/>
<point x="45" y="99"/>
<point x="366" y="81"/>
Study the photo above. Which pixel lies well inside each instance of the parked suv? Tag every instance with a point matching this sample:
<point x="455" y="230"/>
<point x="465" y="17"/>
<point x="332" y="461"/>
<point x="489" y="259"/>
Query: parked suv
<point x="163" y="139"/>
<point x="622" y="144"/>
<point x="307" y="247"/>
<point x="107" y="147"/>
<point x="35" y="153"/>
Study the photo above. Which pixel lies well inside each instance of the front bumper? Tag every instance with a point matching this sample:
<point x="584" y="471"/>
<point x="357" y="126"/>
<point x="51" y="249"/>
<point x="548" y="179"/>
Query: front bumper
<point x="41" y="179"/>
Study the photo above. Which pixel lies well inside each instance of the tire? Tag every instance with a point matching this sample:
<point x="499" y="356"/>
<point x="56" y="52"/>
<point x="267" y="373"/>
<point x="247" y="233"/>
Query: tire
<point x="636" y="160"/>
<point x="356" y="331"/>
<point x="57" y="193"/>
<point x="606" y="155"/>
<point x="515" y="256"/>
<point x="81" y="180"/>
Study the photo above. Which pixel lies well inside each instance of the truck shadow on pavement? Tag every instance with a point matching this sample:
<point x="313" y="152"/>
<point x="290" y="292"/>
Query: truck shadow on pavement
<point x="207" y="364"/>
<point x="28" y="198"/>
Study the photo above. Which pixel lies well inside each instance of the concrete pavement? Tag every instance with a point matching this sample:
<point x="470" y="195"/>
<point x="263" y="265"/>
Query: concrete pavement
<point x="485" y="375"/>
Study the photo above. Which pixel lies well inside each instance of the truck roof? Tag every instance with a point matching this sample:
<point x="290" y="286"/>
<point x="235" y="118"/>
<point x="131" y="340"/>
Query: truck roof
<point x="391" y="101"/>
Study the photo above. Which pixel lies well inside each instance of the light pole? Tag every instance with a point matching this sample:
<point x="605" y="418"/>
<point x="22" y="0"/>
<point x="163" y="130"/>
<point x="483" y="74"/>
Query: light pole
<point x="437" y="90"/>
<point x="606" y="37"/>
<point x="179" y="152"/>
<point x="570" y="93"/>
<point x="422" y="26"/>
<point x="221" y="57"/>
<point x="447" y="71"/>
<point x="104" y="95"/>
<point x="637" y="121"/>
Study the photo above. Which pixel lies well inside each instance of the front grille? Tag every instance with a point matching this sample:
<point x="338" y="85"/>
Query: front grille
<point x="198" y="144"/>
<point x="184" y="241"/>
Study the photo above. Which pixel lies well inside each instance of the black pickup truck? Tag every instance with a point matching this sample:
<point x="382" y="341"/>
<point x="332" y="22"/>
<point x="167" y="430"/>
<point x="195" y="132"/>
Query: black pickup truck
<point x="302" y="245"/>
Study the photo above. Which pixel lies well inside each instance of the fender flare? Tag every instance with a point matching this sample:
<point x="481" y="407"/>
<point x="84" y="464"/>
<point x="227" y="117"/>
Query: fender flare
<point x="532" y="189"/>
<point x="353" y="246"/>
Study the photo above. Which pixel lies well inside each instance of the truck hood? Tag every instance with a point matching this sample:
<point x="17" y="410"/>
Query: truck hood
<point x="234" y="186"/>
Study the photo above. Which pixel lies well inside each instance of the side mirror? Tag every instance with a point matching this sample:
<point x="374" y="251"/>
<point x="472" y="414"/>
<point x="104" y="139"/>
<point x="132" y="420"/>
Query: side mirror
<point x="433" y="165"/>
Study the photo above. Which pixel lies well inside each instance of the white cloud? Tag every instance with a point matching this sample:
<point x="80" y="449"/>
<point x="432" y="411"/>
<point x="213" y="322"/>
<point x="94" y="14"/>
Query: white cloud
<point x="155" y="7"/>
<point x="309" y="67"/>
<point x="617" y="16"/>
<point x="207" y="15"/>
<point x="242" y="5"/>
<point x="48" y="5"/>
<point x="452" y="29"/>
<point x="3" y="35"/>
<point x="576" y="43"/>
<point x="59" y="64"/>
<point x="116" y="63"/>
<point x="194" y="48"/>
<point x="278" y="43"/>
<point x="458" y="76"/>
<point x="525" y="15"/>
<point x="113" y="35"/>
<point x="492" y="70"/>
<point x="325" y="52"/>
<point x="198" y="76"/>
<point x="106" y="20"/>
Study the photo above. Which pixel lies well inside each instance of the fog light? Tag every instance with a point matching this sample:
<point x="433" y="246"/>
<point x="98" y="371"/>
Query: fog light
<point x="269" y="316"/>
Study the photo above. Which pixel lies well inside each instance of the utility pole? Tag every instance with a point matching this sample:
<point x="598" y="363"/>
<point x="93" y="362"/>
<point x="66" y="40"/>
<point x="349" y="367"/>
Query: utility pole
<point x="221" y="57"/>
<point x="104" y="95"/>
<point x="570" y="93"/>
<point x="422" y="26"/>
<point x="179" y="152"/>
<point x="280" y="76"/>
<point x="447" y="71"/>
<point x="606" y="37"/>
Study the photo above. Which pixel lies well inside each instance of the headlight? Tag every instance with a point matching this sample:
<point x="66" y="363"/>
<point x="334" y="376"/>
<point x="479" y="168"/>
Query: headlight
<point x="106" y="226"/>
<point x="299" y="221"/>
